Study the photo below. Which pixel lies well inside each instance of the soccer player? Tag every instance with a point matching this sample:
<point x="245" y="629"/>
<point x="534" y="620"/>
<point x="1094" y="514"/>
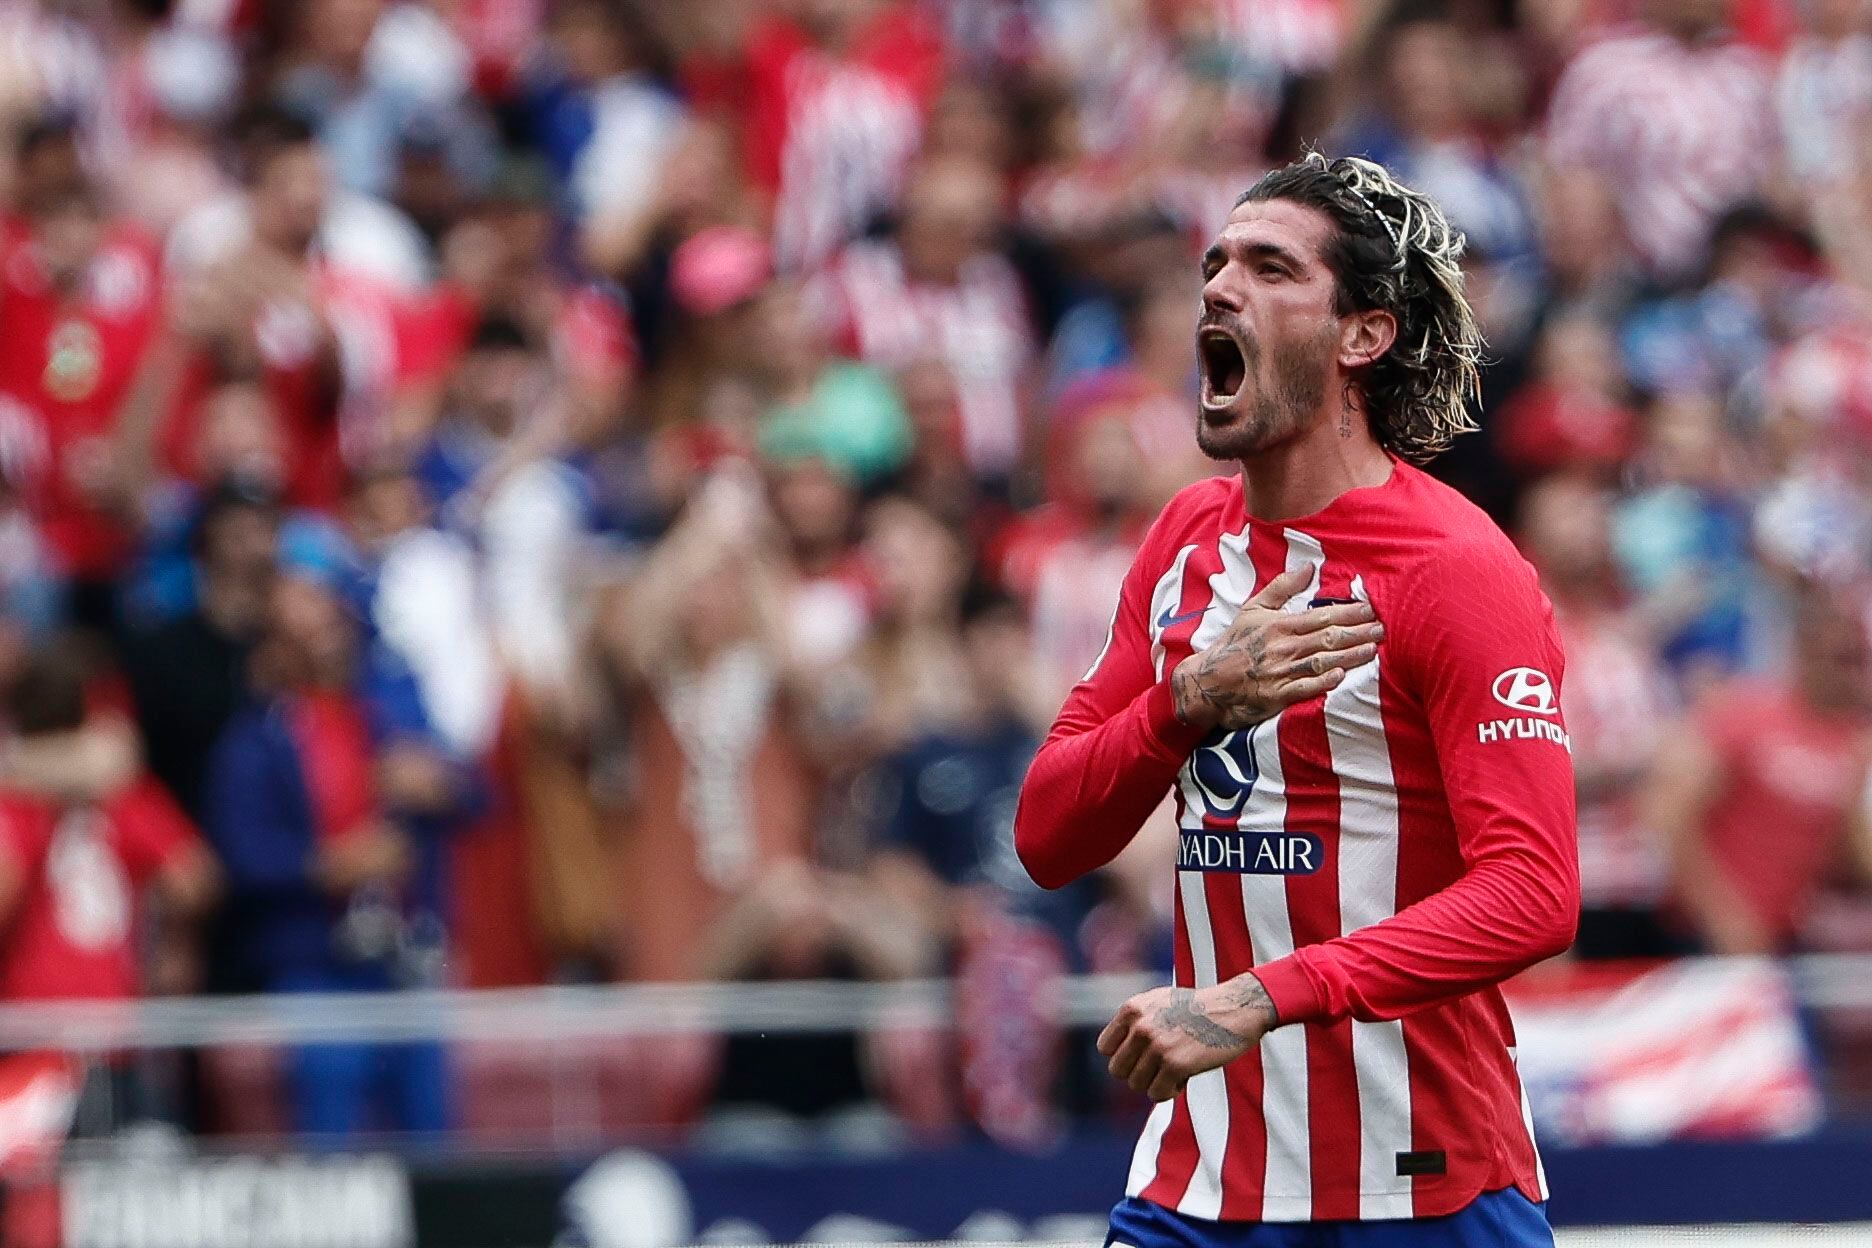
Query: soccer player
<point x="1350" y="680"/>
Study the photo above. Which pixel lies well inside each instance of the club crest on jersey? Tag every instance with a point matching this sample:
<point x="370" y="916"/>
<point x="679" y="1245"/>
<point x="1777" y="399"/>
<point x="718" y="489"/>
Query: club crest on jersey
<point x="1250" y="853"/>
<point x="1224" y="772"/>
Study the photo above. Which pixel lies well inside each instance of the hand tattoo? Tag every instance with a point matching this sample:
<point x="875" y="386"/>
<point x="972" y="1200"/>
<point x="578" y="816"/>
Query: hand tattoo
<point x="1192" y="686"/>
<point x="1184" y="1013"/>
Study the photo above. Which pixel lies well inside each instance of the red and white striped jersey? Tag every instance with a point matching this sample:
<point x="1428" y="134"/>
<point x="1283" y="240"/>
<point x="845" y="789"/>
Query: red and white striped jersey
<point x="1381" y="858"/>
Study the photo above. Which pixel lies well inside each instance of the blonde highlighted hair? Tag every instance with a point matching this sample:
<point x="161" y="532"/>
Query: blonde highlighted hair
<point x="1395" y="251"/>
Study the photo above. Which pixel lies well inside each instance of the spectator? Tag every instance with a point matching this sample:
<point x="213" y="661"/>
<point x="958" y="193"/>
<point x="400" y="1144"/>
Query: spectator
<point x="1788" y="754"/>
<point x="939" y="286"/>
<point x="1576" y="214"/>
<point x="430" y="673"/>
<point x="31" y="593"/>
<point x="263" y="283"/>
<point x="315" y="871"/>
<point x="491" y="470"/>
<point x="1067" y="559"/>
<point x="908" y="675"/>
<point x="79" y="293"/>
<point x="1123" y="268"/>
<point x="944" y="820"/>
<point x="847" y="412"/>
<point x="700" y="186"/>
<point x="943" y="837"/>
<point x="54" y="63"/>
<point x="498" y="487"/>
<point x="97" y="865"/>
<point x="1815" y="520"/>
<point x="1570" y="415"/>
<point x="92" y="842"/>
<point x="1676" y="118"/>
<point x="1682" y="540"/>
<point x="1824" y="91"/>
<point x="604" y="119"/>
<point x="715" y="883"/>
<point x="715" y="279"/>
<point x="829" y="601"/>
<point x="1723" y="332"/>
<point x="1617" y="701"/>
<point x="713" y="721"/>
<point x="500" y="264"/>
<point x="288" y="213"/>
<point x="175" y="85"/>
<point x="1427" y="131"/>
<point x="973" y="119"/>
<point x="936" y="474"/>
<point x="371" y="74"/>
<point x="800" y="923"/>
<point x="839" y="94"/>
<point x="188" y="675"/>
<point x="239" y="441"/>
<point x="430" y="686"/>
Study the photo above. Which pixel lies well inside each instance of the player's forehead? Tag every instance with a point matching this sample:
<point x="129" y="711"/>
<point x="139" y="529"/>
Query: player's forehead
<point x="1285" y="224"/>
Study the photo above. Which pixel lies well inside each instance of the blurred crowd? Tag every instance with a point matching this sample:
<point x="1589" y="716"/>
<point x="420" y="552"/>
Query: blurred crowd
<point x="498" y="492"/>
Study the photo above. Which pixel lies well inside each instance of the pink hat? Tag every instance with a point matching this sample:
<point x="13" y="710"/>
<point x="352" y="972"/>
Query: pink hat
<point x="719" y="267"/>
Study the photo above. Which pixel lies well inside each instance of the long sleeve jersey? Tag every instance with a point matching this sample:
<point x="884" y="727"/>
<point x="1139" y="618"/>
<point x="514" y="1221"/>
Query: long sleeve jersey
<point x="1380" y="858"/>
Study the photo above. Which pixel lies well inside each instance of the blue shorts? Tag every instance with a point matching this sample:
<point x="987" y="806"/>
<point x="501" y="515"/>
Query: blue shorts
<point x="1503" y="1219"/>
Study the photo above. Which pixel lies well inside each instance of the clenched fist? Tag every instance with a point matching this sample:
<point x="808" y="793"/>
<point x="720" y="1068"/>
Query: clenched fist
<point x="1160" y="1039"/>
<point x="1268" y="659"/>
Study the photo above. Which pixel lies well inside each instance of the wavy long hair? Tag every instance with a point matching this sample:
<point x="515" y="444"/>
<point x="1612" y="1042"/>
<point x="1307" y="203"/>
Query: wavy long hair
<point x="1394" y="250"/>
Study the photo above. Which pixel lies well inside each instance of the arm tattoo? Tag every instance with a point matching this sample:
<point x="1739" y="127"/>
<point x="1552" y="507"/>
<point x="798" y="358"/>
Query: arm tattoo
<point x="1181" y="1012"/>
<point x="1245" y="992"/>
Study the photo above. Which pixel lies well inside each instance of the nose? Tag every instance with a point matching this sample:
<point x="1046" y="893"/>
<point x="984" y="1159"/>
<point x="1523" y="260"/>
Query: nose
<point x="1223" y="292"/>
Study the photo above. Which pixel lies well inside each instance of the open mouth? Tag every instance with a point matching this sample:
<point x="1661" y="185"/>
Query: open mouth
<point x="1223" y="366"/>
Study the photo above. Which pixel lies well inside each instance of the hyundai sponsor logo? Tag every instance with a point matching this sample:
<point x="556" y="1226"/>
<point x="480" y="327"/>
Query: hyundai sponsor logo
<point x="1525" y="689"/>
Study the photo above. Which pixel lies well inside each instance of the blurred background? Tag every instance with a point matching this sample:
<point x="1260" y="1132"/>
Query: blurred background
<point x="538" y="537"/>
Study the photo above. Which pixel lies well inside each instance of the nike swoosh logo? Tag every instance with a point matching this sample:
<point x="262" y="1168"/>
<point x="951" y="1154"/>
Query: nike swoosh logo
<point x="1166" y="621"/>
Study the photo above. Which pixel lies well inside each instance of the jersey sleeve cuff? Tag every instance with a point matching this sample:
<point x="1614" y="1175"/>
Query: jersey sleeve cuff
<point x="1175" y="737"/>
<point x="1291" y="988"/>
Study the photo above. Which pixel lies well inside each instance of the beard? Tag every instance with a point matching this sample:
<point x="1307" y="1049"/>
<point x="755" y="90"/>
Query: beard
<point x="1286" y="406"/>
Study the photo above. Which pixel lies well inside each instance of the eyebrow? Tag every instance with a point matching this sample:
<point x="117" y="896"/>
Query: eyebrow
<point x="1217" y="255"/>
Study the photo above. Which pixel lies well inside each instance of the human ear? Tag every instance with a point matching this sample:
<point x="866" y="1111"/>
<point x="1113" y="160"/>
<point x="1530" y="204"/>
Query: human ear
<point x="1364" y="337"/>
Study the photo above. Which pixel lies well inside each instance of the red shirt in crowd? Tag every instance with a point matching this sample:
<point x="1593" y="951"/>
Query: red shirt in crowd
<point x="65" y="365"/>
<point x="829" y="135"/>
<point x="329" y="416"/>
<point x="72" y="933"/>
<point x="1791" y="777"/>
